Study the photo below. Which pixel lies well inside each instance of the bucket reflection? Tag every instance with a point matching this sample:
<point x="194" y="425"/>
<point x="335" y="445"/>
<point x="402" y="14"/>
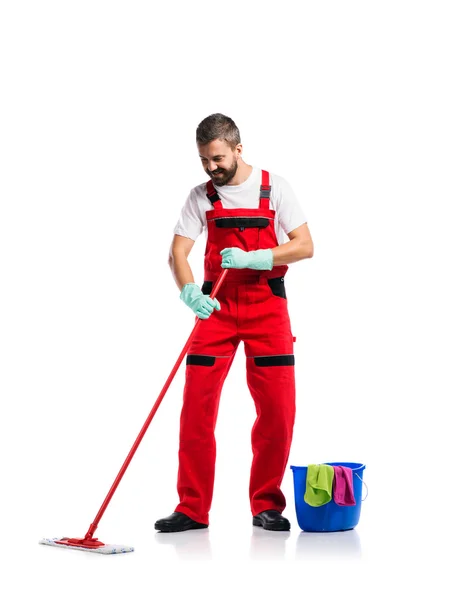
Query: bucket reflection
<point x="336" y="545"/>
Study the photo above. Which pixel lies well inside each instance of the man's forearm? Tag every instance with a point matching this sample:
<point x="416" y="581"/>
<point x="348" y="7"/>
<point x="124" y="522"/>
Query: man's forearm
<point x="291" y="252"/>
<point x="181" y="270"/>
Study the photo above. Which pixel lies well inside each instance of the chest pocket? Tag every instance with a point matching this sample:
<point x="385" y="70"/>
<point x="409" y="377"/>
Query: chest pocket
<point x="242" y="223"/>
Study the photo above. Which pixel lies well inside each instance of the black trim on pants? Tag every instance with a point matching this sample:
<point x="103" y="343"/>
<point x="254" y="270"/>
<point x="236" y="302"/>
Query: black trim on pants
<point x="207" y="287"/>
<point x="200" y="359"/>
<point x="281" y="360"/>
<point x="277" y="286"/>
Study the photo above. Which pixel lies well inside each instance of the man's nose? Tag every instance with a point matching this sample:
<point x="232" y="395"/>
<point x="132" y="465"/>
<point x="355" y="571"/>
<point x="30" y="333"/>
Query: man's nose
<point x="212" y="166"/>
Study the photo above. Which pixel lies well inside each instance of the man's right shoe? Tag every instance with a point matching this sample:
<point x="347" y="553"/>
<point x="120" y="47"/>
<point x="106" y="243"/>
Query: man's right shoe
<point x="271" y="520"/>
<point x="177" y="521"/>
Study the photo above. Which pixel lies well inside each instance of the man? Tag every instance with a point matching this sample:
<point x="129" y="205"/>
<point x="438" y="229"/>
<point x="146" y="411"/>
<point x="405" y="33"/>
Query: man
<point x="246" y="214"/>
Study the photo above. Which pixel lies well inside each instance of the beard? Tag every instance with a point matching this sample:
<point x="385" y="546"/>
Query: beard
<point x="224" y="175"/>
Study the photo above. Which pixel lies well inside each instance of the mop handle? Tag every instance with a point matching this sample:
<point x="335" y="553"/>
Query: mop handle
<point x="95" y="523"/>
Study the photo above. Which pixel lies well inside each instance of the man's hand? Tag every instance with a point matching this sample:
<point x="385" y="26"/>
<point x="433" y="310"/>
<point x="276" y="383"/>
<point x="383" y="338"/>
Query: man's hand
<point x="235" y="258"/>
<point x="197" y="301"/>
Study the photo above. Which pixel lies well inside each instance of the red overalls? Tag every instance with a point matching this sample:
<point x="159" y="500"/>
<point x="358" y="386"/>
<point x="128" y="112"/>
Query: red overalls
<point x="253" y="310"/>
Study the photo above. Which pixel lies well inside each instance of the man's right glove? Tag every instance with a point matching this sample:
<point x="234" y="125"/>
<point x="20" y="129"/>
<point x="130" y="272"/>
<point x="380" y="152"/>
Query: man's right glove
<point x="199" y="302"/>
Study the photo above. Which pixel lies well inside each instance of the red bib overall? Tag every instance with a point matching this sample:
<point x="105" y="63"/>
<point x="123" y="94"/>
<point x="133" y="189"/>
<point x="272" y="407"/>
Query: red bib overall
<point x="253" y="310"/>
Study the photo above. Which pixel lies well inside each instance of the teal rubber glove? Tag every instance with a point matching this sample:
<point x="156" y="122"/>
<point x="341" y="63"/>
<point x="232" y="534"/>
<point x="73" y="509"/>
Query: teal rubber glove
<point x="235" y="258"/>
<point x="199" y="302"/>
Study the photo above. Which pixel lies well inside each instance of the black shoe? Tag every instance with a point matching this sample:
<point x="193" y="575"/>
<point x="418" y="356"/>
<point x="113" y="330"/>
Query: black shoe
<point x="177" y="521"/>
<point x="272" y="520"/>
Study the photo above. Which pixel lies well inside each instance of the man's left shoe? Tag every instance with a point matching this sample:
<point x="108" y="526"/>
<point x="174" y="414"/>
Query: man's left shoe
<point x="272" y="520"/>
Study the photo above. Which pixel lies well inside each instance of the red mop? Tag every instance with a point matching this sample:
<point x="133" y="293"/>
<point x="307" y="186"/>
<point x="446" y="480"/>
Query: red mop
<point x="89" y="543"/>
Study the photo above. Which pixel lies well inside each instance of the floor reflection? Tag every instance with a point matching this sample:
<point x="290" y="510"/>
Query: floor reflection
<point x="268" y="545"/>
<point x="194" y="544"/>
<point x="336" y="544"/>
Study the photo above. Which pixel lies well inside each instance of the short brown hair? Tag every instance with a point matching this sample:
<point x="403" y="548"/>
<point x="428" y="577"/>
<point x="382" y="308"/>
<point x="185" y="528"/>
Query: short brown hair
<point x="218" y="126"/>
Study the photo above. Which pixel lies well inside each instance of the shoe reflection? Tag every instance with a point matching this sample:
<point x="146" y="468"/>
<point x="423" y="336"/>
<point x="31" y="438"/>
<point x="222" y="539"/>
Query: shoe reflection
<point x="336" y="545"/>
<point x="268" y="545"/>
<point x="188" y="545"/>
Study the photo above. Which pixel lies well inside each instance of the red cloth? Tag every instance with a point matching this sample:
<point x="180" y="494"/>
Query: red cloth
<point x="255" y="312"/>
<point x="343" y="486"/>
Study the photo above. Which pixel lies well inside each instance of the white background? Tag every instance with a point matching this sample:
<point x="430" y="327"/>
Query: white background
<point x="351" y="102"/>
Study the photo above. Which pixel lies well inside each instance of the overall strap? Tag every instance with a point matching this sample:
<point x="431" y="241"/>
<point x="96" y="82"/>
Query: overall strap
<point x="265" y="191"/>
<point x="212" y="195"/>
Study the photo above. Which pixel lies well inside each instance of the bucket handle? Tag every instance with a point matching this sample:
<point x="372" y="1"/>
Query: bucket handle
<point x="364" y="483"/>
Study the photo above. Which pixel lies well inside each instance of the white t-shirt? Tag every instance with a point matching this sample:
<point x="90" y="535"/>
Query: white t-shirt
<point x="289" y="213"/>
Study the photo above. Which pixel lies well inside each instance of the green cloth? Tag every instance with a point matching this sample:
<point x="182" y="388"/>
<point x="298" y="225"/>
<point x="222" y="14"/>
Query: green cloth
<point x="319" y="484"/>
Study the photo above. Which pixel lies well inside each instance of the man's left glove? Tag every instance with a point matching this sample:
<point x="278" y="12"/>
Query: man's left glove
<point x="235" y="258"/>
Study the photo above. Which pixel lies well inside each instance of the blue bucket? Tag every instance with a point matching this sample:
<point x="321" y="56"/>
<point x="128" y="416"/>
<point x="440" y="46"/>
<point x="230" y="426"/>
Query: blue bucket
<point x="330" y="516"/>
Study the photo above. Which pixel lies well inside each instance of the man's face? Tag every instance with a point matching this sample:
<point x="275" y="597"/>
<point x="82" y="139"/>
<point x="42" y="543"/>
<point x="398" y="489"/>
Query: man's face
<point x="219" y="161"/>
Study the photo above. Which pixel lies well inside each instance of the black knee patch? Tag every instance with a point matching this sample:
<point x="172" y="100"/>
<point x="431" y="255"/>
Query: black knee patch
<point x="200" y="359"/>
<point x="280" y="360"/>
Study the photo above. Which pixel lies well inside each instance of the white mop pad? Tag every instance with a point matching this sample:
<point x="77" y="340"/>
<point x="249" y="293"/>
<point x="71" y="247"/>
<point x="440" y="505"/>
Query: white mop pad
<point x="107" y="549"/>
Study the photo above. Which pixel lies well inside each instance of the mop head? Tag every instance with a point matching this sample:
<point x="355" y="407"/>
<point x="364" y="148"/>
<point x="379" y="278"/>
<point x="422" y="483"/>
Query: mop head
<point x="105" y="549"/>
